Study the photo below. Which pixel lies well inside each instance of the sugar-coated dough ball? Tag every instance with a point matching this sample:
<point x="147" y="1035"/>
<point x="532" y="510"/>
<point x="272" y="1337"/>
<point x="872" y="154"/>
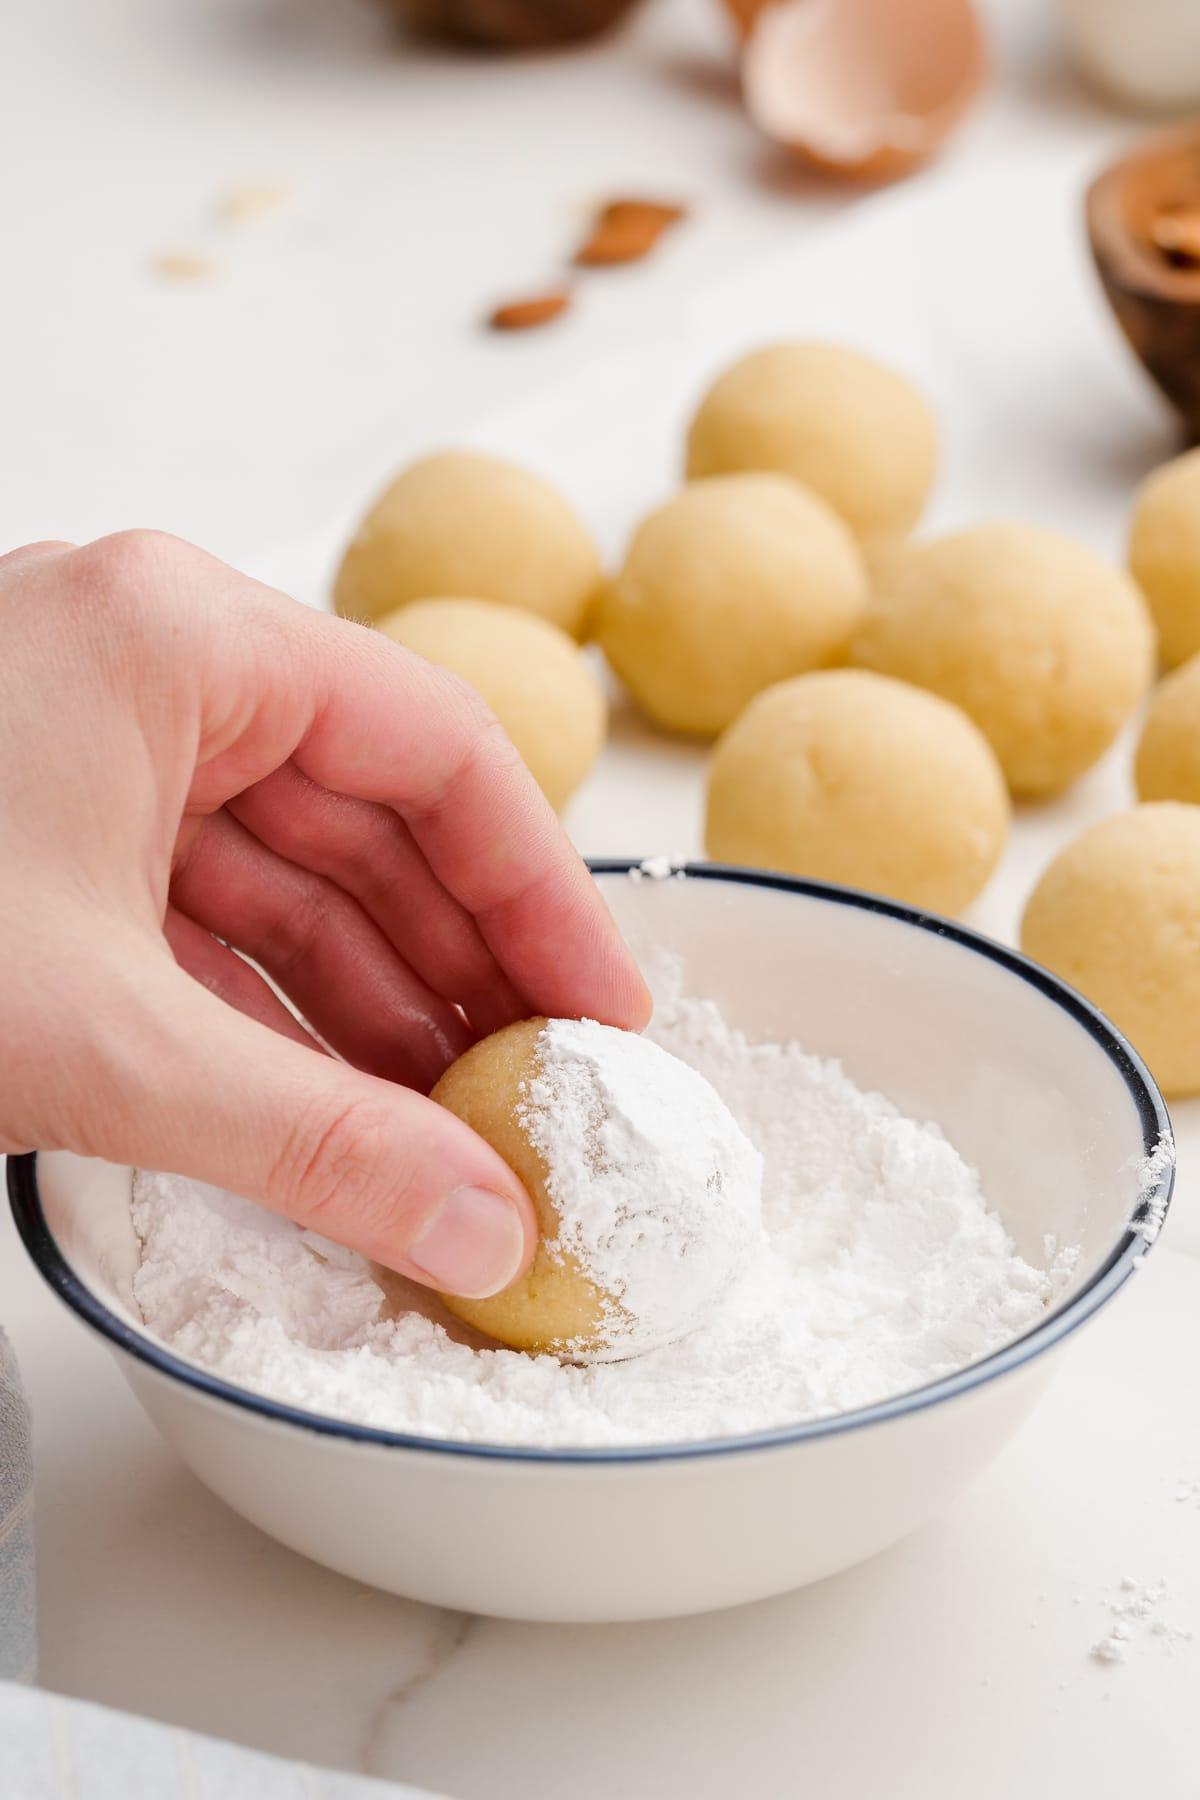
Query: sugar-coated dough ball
<point x="460" y="523"/>
<point x="1117" y="914"/>
<point x="850" y="429"/>
<point x="1168" y="755"/>
<point x="556" y="1303"/>
<point x="846" y="776"/>
<point x="533" y="676"/>
<point x="1164" y="554"/>
<point x="648" y="1195"/>
<point x="731" y="586"/>
<point x="1047" y="648"/>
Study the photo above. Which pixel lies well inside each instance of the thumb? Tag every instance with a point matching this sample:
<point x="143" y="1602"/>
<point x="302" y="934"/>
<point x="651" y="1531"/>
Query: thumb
<point x="204" y="1091"/>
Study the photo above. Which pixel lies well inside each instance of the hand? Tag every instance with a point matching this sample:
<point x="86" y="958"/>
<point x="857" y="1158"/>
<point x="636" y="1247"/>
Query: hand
<point x="193" y="762"/>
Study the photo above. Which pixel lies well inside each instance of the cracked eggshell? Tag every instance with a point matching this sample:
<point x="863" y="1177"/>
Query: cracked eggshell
<point x="864" y="88"/>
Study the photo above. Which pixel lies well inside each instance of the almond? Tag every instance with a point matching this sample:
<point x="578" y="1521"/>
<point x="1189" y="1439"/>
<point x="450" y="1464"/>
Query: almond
<point x="625" y="231"/>
<point x="1176" y="232"/>
<point x="525" y="315"/>
<point x="183" y="265"/>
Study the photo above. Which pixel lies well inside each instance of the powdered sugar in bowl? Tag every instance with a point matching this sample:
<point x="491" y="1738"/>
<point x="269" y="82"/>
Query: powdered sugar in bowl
<point x="1030" y="1088"/>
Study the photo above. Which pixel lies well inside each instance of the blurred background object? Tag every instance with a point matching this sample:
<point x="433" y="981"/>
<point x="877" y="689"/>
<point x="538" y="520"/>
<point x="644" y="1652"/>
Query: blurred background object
<point x="17" y="1617"/>
<point x="512" y="24"/>
<point x="1145" y="53"/>
<point x="1143" y="217"/>
<point x="865" y="88"/>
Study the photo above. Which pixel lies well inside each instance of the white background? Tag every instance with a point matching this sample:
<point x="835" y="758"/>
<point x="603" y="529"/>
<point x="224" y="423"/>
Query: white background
<point x="253" y="412"/>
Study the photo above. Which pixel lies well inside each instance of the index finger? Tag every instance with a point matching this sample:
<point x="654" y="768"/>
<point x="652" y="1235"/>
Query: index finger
<point x="364" y="717"/>
<point x="480" y="819"/>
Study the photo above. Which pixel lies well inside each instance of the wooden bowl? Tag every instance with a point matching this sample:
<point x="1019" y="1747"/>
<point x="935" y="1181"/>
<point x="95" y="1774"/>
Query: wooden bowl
<point x="511" y="24"/>
<point x="1143" y="220"/>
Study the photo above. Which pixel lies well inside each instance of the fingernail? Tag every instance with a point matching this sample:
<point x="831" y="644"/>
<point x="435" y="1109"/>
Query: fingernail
<point x="472" y="1245"/>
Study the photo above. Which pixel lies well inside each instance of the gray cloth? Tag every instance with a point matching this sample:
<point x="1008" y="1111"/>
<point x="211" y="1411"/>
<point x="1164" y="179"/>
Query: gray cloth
<point x="17" y="1619"/>
<point x="56" y="1749"/>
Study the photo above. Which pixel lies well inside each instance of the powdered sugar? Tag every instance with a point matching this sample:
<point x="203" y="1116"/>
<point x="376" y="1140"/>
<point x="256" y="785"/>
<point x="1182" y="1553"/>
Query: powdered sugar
<point x="1152" y="1199"/>
<point x="658" y="868"/>
<point x="880" y="1268"/>
<point x="657" y="1188"/>
<point x="1136" y="1615"/>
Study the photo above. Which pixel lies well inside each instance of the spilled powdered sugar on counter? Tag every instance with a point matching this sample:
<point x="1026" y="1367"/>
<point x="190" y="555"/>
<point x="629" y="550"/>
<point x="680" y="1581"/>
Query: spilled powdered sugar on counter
<point x="1136" y="1617"/>
<point x="880" y="1268"/>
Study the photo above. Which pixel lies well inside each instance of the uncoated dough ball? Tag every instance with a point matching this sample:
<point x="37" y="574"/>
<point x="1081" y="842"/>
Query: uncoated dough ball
<point x="648" y="1196"/>
<point x="731" y="586"/>
<point x="1117" y="914"/>
<point x="847" y="427"/>
<point x="460" y="523"/>
<point x="1164" y="554"/>
<point x="1046" y="647"/>
<point x="533" y="676"/>
<point x="849" y="777"/>
<point x="1168" y="756"/>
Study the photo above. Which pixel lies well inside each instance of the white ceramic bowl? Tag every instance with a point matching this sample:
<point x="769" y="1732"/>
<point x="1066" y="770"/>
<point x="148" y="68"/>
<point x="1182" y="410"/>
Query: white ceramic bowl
<point x="1028" y="1081"/>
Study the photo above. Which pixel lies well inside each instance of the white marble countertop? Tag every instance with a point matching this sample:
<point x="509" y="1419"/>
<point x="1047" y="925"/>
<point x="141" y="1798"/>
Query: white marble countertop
<point x="238" y="411"/>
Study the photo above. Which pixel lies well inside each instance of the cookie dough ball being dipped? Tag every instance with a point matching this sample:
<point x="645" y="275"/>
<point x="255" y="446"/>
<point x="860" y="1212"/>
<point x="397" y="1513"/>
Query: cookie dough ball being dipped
<point x="733" y="585"/>
<point x="533" y="676"/>
<point x="1168" y="756"/>
<point x="848" y="777"/>
<point x="647" y="1193"/>
<point x="1117" y="914"/>
<point x="851" y="430"/>
<point x="1045" y="646"/>
<point x="460" y="523"/>
<point x="1164" y="554"/>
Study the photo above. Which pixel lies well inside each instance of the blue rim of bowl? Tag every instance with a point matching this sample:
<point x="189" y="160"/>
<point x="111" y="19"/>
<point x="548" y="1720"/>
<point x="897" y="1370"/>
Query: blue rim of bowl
<point x="1117" y="1267"/>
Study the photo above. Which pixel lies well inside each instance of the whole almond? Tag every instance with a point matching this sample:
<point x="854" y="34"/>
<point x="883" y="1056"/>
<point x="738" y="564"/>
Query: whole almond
<point x="526" y="315"/>
<point x="1176" y="232"/>
<point x="625" y="231"/>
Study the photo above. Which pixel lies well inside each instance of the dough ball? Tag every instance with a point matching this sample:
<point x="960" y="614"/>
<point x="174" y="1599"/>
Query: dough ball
<point x="459" y="523"/>
<point x="648" y="1196"/>
<point x="1168" y="756"/>
<point x="533" y="676"/>
<point x="1046" y="647"/>
<point x="731" y="586"/>
<point x="1117" y="914"/>
<point x="851" y="430"/>
<point x="849" y="777"/>
<point x="1164" y="554"/>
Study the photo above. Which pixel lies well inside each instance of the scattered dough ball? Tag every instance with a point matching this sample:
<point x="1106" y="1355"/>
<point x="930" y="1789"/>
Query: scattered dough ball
<point x="533" y="676"/>
<point x="1168" y="756"/>
<point x="1047" y="648"/>
<point x="849" y="777"/>
<point x="1164" y="554"/>
<point x="1117" y="914"/>
<point x="731" y="586"/>
<point x="851" y="430"/>
<point x="648" y="1196"/>
<point x="459" y="523"/>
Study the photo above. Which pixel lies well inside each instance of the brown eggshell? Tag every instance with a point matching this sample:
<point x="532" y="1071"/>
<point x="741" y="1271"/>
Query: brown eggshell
<point x="861" y="88"/>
